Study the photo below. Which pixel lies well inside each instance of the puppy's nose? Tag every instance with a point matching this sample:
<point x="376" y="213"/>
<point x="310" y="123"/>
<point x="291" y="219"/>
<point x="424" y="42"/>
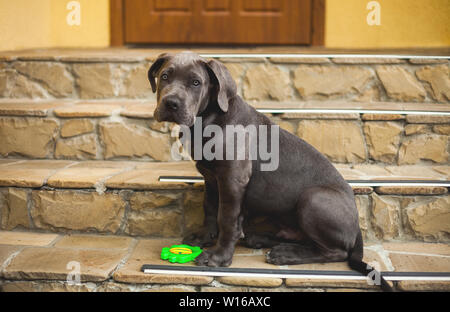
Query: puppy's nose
<point x="172" y="105"/>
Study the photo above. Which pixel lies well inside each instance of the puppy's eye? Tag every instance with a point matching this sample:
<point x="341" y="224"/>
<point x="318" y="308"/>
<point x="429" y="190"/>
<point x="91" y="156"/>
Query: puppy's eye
<point x="196" y="83"/>
<point x="164" y="77"/>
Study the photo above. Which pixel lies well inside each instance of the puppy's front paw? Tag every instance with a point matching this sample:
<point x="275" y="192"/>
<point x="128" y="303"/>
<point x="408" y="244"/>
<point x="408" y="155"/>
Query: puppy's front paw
<point x="215" y="257"/>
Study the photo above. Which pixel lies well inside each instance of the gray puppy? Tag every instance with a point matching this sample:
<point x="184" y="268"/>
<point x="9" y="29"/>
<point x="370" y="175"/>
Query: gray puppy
<point x="305" y="196"/>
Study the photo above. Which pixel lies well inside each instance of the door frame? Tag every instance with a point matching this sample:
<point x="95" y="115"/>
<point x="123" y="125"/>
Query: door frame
<point x="117" y="33"/>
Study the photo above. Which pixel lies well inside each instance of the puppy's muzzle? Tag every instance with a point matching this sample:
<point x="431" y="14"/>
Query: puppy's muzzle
<point x="167" y="109"/>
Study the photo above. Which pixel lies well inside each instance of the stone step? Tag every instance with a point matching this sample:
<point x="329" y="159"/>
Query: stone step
<point x="126" y="198"/>
<point x="278" y="75"/>
<point x="40" y="262"/>
<point x="385" y="133"/>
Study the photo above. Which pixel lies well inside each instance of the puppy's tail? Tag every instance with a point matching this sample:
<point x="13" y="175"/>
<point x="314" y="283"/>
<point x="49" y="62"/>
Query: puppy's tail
<point x="355" y="263"/>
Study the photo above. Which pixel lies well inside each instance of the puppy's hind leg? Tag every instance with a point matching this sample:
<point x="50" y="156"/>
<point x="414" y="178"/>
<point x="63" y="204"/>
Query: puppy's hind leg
<point x="301" y="253"/>
<point x="329" y="221"/>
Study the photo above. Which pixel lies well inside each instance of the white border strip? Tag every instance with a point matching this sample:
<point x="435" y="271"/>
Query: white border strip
<point x="348" y="111"/>
<point x="303" y="276"/>
<point x="181" y="180"/>
<point x="300" y="55"/>
<point x="368" y="183"/>
<point x="405" y="184"/>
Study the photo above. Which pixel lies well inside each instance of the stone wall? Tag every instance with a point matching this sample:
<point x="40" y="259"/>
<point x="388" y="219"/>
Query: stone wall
<point x="174" y="213"/>
<point x="258" y="79"/>
<point x="158" y="213"/>
<point x="343" y="138"/>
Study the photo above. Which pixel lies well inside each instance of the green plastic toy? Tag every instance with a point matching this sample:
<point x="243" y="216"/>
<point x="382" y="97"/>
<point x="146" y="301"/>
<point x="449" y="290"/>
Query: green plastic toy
<point x="180" y="253"/>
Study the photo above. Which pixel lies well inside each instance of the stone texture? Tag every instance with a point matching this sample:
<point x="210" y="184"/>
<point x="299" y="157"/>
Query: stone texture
<point x="14" y="211"/>
<point x="424" y="286"/>
<point x="76" y="177"/>
<point x="400" y="84"/>
<point x="362" y="203"/>
<point x="359" y="190"/>
<point x="313" y="81"/>
<point x="385" y="216"/>
<point x="135" y="84"/>
<point x="94" y="241"/>
<point x="370" y="94"/>
<point x="412" y="190"/>
<point x="367" y="172"/>
<point x="122" y="140"/>
<point x="383" y="139"/>
<point x="438" y="78"/>
<point x="322" y="283"/>
<point x="20" y="286"/>
<point x="94" y="80"/>
<point x="433" y="119"/>
<point x="161" y="222"/>
<point x="418" y="248"/>
<point x="163" y="126"/>
<point x="46" y="286"/>
<point x="144" y="111"/>
<point x="148" y="251"/>
<point x="442" y="129"/>
<point x="367" y="60"/>
<point x="236" y="71"/>
<point x="224" y="288"/>
<point x="83" y="147"/>
<point x="87" y="110"/>
<point x="419" y="263"/>
<point x="14" y="85"/>
<point x="300" y="60"/>
<point x="31" y="137"/>
<point x="430" y="218"/>
<point x="324" y="115"/>
<point x="149" y="200"/>
<point x="416" y="129"/>
<point x="31" y="173"/>
<point x="444" y="170"/>
<point x="75" y="210"/>
<point x="340" y="141"/>
<point x="26" y="238"/>
<point x="428" y="61"/>
<point x="424" y="147"/>
<point x="416" y="172"/>
<point x="3" y="82"/>
<point x="54" y="76"/>
<point x="193" y="210"/>
<point x="383" y="117"/>
<point x="7" y="251"/>
<point x="27" y="108"/>
<point x="266" y="82"/>
<point x="51" y="263"/>
<point x="76" y="127"/>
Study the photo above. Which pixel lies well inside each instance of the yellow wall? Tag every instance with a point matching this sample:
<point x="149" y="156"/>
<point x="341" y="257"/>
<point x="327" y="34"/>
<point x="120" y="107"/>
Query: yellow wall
<point x="24" y="23"/>
<point x="42" y="23"/>
<point x="404" y="23"/>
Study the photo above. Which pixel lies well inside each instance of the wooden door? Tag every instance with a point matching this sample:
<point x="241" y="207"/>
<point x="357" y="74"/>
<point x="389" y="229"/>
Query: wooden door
<point x="217" y="21"/>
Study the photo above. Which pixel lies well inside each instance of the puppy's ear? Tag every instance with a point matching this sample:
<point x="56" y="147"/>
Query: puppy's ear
<point x="225" y="87"/>
<point x="156" y="66"/>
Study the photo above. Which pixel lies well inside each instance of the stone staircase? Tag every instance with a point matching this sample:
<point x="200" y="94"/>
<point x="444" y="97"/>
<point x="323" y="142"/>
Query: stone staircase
<point x="80" y="157"/>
